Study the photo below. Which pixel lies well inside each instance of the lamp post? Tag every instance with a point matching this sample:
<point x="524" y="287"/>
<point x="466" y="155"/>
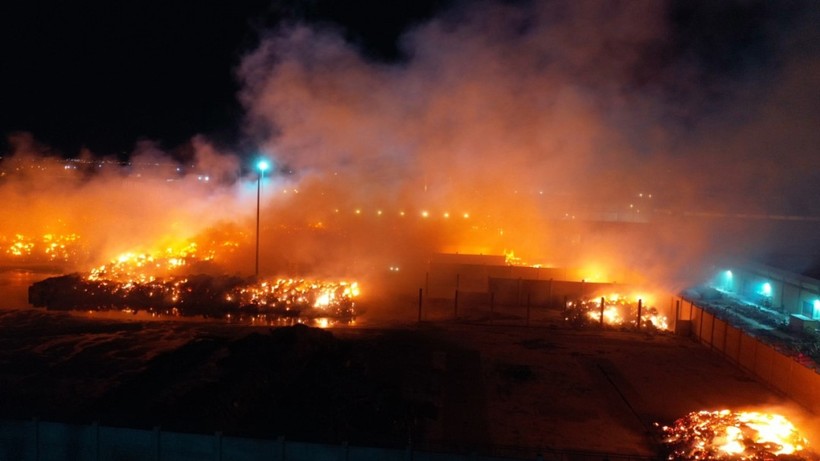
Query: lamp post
<point x="262" y="166"/>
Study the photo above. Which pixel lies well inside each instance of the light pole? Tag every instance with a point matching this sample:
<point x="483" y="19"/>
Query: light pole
<point x="262" y="166"/>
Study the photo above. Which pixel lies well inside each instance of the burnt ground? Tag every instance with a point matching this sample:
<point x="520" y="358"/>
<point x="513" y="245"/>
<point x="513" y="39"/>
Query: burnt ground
<point x="503" y="389"/>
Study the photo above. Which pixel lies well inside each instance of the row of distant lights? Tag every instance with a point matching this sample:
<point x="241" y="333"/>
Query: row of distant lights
<point x="203" y="178"/>
<point x="641" y="195"/>
<point x="423" y="213"/>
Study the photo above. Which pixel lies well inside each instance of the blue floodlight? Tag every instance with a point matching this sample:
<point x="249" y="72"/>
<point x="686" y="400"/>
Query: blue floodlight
<point x="767" y="289"/>
<point x="263" y="165"/>
<point x="726" y="280"/>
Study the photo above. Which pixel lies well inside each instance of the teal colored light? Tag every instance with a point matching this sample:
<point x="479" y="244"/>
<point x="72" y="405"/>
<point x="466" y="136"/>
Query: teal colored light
<point x="728" y="275"/>
<point x="262" y="165"/>
<point x="767" y="289"/>
<point x="817" y="304"/>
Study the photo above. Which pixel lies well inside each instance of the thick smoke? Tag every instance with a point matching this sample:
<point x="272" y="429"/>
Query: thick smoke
<point x="528" y="115"/>
<point x="113" y="207"/>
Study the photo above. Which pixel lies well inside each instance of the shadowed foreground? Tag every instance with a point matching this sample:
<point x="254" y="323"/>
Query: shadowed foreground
<point x="474" y="388"/>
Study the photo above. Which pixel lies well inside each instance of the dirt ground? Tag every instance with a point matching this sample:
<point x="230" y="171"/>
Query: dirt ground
<point x="475" y="385"/>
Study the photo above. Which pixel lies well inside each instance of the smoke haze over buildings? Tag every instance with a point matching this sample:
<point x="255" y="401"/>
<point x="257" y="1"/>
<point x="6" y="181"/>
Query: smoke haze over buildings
<point x="504" y="126"/>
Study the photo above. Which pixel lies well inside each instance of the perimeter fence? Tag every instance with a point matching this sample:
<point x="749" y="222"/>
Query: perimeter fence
<point x="37" y="440"/>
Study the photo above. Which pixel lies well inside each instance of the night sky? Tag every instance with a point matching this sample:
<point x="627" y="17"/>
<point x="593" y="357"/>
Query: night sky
<point x="102" y="76"/>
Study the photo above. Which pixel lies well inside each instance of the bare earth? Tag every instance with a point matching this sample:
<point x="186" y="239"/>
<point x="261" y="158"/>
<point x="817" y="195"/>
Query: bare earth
<point x="472" y="385"/>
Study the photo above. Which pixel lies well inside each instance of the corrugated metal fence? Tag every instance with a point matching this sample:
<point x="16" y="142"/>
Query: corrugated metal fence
<point x="779" y="369"/>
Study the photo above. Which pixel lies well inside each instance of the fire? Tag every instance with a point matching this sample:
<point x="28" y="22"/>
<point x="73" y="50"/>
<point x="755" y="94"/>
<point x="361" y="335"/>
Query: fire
<point x="48" y="247"/>
<point x="729" y="435"/>
<point x="618" y="311"/>
<point x="210" y="296"/>
<point x="146" y="266"/>
<point x="511" y="259"/>
<point x="160" y="281"/>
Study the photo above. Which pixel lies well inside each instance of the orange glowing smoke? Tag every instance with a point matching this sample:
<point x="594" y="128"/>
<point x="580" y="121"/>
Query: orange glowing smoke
<point x="728" y="435"/>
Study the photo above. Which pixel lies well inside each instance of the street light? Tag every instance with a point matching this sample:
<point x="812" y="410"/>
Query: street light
<point x="262" y="165"/>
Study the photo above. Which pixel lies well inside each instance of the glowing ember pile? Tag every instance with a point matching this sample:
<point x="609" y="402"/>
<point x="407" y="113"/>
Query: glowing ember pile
<point x="728" y="435"/>
<point x="292" y="298"/>
<point x="618" y="311"/>
<point x="47" y="247"/>
<point x="155" y="282"/>
<point x="145" y="267"/>
<point x="205" y="295"/>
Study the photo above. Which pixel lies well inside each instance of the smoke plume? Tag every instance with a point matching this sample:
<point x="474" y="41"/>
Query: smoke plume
<point x="528" y="115"/>
<point x="635" y="135"/>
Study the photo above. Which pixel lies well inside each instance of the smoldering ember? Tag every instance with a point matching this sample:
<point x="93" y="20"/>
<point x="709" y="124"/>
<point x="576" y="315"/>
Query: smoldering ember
<point x="202" y="295"/>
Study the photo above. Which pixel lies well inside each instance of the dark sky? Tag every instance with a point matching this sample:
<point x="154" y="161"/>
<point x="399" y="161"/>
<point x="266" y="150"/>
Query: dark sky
<point x="103" y="75"/>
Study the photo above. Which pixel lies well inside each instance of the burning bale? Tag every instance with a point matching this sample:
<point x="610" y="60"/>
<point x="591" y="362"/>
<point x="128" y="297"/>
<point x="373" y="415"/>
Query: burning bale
<point x="155" y="282"/>
<point x="735" y="436"/>
<point x="616" y="311"/>
<point x="201" y="295"/>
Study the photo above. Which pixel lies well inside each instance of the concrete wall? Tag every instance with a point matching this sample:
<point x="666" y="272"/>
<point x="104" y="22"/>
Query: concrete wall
<point x="549" y="293"/>
<point x="768" y="364"/>
<point x="789" y="291"/>
<point x="508" y="285"/>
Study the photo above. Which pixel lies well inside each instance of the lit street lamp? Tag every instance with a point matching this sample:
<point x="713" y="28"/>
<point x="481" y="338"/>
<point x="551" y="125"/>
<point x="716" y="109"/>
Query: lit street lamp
<point x="262" y="166"/>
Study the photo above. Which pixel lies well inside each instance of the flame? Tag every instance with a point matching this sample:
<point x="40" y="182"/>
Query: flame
<point x="158" y="280"/>
<point x="729" y="435"/>
<point x="48" y="247"/>
<point x="146" y="266"/>
<point x="511" y="259"/>
<point x="619" y="311"/>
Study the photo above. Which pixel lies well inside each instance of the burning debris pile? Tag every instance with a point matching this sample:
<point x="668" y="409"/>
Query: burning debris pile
<point x="614" y="311"/>
<point x="46" y="248"/>
<point x="202" y="295"/>
<point x="158" y="282"/>
<point x="735" y="436"/>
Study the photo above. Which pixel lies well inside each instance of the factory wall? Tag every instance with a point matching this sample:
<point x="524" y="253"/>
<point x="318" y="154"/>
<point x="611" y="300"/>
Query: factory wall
<point x="777" y="368"/>
<point x="511" y="285"/>
<point x="790" y="293"/>
<point x="548" y="293"/>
